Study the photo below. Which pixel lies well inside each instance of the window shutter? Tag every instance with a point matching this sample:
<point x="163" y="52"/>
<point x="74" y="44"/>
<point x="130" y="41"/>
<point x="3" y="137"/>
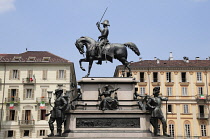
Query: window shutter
<point x="172" y="76"/>
<point x="16" y="114"/>
<point x="18" y="74"/>
<point x="24" y="94"/>
<point x="46" y="118"/>
<point x="37" y="134"/>
<point x="23" y="114"/>
<point x="32" y="93"/>
<point x="64" y="74"/>
<point x="44" y="76"/>
<point x="145" y="77"/>
<point x="57" y="74"/>
<point x="30" y="133"/>
<point x="9" y="95"/>
<point x="7" y="115"/>
<point x="46" y="132"/>
<point x="17" y="95"/>
<point x="21" y="133"/>
<point x="14" y="134"/>
<point x="30" y="73"/>
<point x="10" y="74"/>
<point x="38" y="114"/>
<point x="5" y="134"/>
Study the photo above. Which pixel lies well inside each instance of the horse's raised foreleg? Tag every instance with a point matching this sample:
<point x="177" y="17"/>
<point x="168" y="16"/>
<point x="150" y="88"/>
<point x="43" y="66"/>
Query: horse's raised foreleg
<point x="80" y="63"/>
<point x="89" y="67"/>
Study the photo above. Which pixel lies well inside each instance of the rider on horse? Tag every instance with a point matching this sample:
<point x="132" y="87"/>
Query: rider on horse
<point x="103" y="38"/>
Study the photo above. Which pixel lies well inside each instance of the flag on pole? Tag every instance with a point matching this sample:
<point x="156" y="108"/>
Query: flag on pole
<point x="42" y="105"/>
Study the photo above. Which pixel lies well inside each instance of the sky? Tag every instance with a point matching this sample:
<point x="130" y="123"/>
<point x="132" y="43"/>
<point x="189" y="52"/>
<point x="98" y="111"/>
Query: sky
<point x="157" y="27"/>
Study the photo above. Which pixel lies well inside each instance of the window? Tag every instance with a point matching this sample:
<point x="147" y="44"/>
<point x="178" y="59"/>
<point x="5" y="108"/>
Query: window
<point x="12" y="115"/>
<point x="171" y="130"/>
<point x="142" y="90"/>
<point x="168" y="76"/>
<point x="169" y="108"/>
<point x="28" y="93"/>
<point x="187" y="130"/>
<point x="203" y="130"/>
<point x="200" y="90"/>
<point x="26" y="133"/>
<point x="183" y="74"/>
<point x="42" y="116"/>
<point x="30" y="73"/>
<point x="61" y="74"/>
<point x="15" y="74"/>
<point x="169" y="91"/>
<point x="185" y="106"/>
<point x="44" y="75"/>
<point x="10" y="133"/>
<point x="141" y="76"/>
<point x="184" y="91"/>
<point x="42" y="133"/>
<point x="13" y="94"/>
<point x="128" y="74"/>
<point x="199" y="76"/>
<point x="155" y="77"/>
<point x="44" y="92"/>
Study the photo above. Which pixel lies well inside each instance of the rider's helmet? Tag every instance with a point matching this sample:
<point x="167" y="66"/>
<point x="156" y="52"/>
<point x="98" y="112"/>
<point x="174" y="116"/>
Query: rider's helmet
<point x="106" y="22"/>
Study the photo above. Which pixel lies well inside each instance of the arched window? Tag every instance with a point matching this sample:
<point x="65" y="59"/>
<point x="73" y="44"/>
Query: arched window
<point x="171" y="128"/>
<point x="187" y="128"/>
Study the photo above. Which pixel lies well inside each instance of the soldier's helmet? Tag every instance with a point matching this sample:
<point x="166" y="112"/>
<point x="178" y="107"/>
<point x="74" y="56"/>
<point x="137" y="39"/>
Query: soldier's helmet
<point x="156" y="90"/>
<point x="58" y="91"/>
<point x="106" y="22"/>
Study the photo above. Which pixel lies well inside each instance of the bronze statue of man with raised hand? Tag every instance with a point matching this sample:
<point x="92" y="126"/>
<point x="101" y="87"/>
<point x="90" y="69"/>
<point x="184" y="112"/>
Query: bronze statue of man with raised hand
<point x="103" y="38"/>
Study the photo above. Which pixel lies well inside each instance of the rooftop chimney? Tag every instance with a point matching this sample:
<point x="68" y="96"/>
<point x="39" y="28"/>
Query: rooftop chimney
<point x="171" y="56"/>
<point x="140" y="58"/>
<point x="155" y="58"/>
<point x="197" y="58"/>
<point x="158" y="61"/>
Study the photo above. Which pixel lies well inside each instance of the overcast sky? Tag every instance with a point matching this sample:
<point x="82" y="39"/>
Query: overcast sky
<point x="157" y="27"/>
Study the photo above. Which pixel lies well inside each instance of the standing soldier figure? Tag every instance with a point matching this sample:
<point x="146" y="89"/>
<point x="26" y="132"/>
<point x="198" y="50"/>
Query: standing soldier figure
<point x="154" y="105"/>
<point x="57" y="114"/>
<point x="103" y="38"/>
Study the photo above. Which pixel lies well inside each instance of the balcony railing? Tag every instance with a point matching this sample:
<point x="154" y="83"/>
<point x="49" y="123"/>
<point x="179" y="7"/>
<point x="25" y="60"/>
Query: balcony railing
<point x="28" y="81"/>
<point x="12" y="99"/>
<point x="202" y="116"/>
<point x="40" y="99"/>
<point x="26" y="122"/>
<point x="201" y="97"/>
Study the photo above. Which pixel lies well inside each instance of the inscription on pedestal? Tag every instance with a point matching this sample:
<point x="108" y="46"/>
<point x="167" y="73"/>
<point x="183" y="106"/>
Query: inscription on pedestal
<point x="107" y="122"/>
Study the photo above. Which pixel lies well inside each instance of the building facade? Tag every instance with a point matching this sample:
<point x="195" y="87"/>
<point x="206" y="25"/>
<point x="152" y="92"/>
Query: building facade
<point x="186" y="83"/>
<point x="24" y="81"/>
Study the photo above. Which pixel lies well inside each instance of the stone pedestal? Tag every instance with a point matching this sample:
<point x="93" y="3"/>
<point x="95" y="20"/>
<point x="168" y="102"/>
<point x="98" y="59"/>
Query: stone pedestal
<point x="89" y="122"/>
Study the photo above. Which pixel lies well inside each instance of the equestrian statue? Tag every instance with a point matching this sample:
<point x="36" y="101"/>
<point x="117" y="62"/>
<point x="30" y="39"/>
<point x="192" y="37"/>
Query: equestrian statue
<point x="103" y="50"/>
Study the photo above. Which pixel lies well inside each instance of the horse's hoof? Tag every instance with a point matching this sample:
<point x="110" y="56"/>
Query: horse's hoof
<point x="83" y="69"/>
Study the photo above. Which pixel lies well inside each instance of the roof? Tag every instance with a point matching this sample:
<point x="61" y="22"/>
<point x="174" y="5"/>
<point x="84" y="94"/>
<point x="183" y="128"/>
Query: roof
<point x="169" y="64"/>
<point x="33" y="56"/>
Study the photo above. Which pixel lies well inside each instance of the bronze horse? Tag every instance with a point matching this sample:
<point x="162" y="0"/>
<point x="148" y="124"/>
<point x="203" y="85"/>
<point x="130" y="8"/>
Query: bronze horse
<point x="110" y="51"/>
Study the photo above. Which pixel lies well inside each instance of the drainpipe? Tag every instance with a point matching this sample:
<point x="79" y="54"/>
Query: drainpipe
<point x="2" y="106"/>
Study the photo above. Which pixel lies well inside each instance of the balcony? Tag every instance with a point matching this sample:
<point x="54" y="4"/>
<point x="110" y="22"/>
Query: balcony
<point x="12" y="99"/>
<point x="40" y="99"/>
<point x="202" y="116"/>
<point x="201" y="98"/>
<point x="26" y="123"/>
<point x="29" y="81"/>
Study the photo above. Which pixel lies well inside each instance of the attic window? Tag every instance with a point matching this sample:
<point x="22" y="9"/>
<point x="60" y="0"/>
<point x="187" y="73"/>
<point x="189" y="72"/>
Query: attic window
<point x="31" y="58"/>
<point x="16" y="58"/>
<point x="46" y="59"/>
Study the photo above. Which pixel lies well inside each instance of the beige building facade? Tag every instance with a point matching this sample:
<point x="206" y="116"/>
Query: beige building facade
<point x="186" y="83"/>
<point x="24" y="81"/>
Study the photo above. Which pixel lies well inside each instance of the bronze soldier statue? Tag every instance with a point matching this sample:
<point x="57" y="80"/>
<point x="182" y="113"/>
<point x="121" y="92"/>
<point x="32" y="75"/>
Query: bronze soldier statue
<point x="57" y="114"/>
<point x="108" y="103"/>
<point x="103" y="38"/>
<point x="154" y="105"/>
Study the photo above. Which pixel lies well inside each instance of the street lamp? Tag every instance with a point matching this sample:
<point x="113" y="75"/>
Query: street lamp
<point x="49" y="94"/>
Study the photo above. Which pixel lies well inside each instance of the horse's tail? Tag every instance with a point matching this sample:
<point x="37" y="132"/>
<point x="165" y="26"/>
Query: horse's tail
<point x="133" y="47"/>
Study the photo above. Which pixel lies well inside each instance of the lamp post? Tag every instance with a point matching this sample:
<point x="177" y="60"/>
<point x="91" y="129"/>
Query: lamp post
<point x="49" y="97"/>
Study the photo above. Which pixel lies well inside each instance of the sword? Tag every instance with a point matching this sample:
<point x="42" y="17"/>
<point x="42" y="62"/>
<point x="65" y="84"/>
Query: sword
<point x="103" y="14"/>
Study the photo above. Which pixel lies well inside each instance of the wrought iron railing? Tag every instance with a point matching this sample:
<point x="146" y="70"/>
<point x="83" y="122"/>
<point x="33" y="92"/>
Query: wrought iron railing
<point x="202" y="115"/>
